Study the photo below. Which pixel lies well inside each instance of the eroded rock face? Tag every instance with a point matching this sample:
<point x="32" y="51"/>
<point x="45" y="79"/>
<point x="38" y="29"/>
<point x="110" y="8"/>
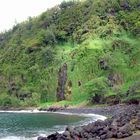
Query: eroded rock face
<point x="68" y="91"/>
<point x="62" y="79"/>
<point x="115" y="79"/>
<point x="103" y="64"/>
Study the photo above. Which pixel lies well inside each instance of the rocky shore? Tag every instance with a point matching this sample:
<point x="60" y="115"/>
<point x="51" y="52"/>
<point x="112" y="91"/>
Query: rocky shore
<point x="123" y="121"/>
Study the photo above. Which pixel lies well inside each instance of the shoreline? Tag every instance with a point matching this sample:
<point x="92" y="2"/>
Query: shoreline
<point x="106" y="111"/>
<point x="123" y="122"/>
<point x="88" y="117"/>
<point x="127" y="116"/>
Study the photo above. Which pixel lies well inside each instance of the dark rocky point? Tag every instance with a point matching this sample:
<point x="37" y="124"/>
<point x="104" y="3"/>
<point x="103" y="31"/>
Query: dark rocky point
<point x="120" y="125"/>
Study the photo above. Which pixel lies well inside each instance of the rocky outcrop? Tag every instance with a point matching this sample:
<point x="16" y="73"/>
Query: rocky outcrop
<point x="53" y="108"/>
<point x="119" y="126"/>
<point x="68" y="91"/>
<point x="103" y="64"/>
<point x="115" y="79"/>
<point x="62" y="78"/>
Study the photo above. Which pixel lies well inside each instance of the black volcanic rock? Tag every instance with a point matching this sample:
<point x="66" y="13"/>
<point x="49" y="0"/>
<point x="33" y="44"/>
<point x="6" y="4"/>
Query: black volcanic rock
<point x="120" y="125"/>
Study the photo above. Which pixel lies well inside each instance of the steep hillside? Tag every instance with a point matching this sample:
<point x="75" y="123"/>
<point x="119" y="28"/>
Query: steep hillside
<point x="77" y="51"/>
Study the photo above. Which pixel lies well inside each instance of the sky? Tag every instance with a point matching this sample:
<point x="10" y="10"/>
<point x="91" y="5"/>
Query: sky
<point x="16" y="11"/>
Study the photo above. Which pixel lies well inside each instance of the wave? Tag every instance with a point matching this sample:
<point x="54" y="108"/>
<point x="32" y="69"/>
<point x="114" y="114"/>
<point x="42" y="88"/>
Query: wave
<point x="64" y="113"/>
<point x="18" y="138"/>
<point x="23" y="111"/>
<point x="88" y="119"/>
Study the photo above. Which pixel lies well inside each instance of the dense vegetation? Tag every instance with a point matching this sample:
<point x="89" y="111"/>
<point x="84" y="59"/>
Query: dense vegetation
<point x="97" y="40"/>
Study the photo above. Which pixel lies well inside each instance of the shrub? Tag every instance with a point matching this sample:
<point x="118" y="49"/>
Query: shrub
<point x="132" y="99"/>
<point x="133" y="94"/>
<point x="97" y="88"/>
<point x="9" y="101"/>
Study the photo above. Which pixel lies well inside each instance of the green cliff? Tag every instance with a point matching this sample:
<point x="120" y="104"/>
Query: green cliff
<point x="77" y="51"/>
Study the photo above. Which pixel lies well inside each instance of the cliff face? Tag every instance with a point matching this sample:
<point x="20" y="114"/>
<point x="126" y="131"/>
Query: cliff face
<point x="62" y="79"/>
<point x="77" y="51"/>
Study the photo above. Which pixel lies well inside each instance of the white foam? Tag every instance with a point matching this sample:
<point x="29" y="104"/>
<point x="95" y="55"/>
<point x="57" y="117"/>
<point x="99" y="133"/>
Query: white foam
<point x="90" y="118"/>
<point x="17" y="138"/>
<point x="23" y="111"/>
<point x="64" y="113"/>
<point x="99" y="117"/>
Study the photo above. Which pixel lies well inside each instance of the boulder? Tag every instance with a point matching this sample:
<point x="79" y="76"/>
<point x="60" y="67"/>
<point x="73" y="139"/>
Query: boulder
<point x="66" y="134"/>
<point x="103" y="137"/>
<point x="138" y="126"/>
<point x="119" y="135"/>
<point x="109" y="134"/>
<point x="125" y="130"/>
<point x="121" y="125"/>
<point x="54" y="108"/>
<point x="69" y="128"/>
<point x="42" y="138"/>
<point x="53" y="136"/>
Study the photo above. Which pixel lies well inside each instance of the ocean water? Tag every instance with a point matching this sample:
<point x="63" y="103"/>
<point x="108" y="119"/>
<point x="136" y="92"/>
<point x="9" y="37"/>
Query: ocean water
<point x="28" y="125"/>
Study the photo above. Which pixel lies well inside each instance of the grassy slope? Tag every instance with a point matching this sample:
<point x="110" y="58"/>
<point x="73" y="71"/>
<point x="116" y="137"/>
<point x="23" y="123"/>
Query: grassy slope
<point x="81" y="36"/>
<point x="87" y="67"/>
